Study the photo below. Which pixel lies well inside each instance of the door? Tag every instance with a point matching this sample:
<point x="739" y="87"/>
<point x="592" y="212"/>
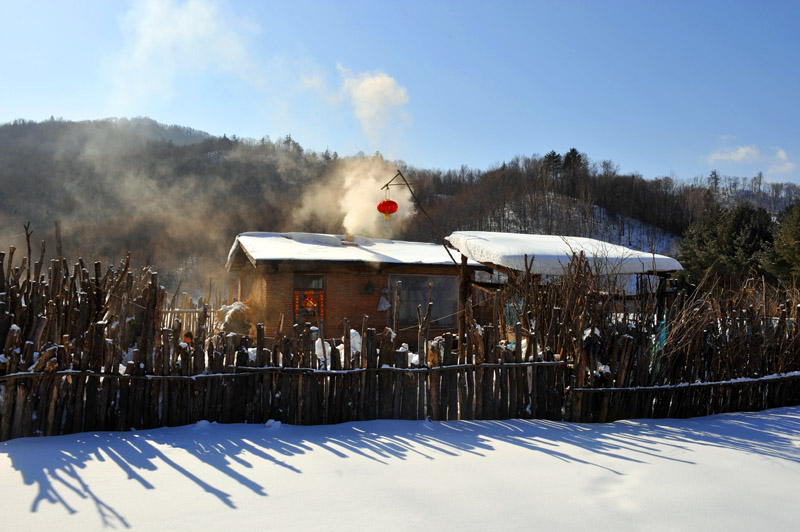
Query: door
<point x="309" y="300"/>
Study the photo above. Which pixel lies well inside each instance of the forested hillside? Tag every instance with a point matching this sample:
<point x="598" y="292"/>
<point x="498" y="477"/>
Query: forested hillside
<point x="176" y="197"/>
<point x="172" y="196"/>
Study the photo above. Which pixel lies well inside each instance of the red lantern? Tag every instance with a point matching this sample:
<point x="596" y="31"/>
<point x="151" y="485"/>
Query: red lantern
<point x="387" y="207"/>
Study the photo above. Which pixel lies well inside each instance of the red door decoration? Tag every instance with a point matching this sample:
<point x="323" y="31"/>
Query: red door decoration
<point x="305" y="301"/>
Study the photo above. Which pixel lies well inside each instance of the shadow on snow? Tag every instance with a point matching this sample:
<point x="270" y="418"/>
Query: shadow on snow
<point x="223" y="447"/>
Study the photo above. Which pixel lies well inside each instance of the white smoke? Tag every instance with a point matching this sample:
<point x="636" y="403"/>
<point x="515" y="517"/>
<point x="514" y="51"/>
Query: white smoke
<point x="376" y="98"/>
<point x="348" y="197"/>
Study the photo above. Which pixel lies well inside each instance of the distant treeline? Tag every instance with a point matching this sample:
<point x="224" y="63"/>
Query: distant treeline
<point x="568" y="194"/>
<point x="176" y="197"/>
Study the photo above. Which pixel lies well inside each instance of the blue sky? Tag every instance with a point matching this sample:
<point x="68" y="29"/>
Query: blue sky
<point x="661" y="88"/>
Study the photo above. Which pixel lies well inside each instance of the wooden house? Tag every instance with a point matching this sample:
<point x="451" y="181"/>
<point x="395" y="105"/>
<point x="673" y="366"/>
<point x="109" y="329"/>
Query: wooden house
<point x="303" y="277"/>
<point x="546" y="256"/>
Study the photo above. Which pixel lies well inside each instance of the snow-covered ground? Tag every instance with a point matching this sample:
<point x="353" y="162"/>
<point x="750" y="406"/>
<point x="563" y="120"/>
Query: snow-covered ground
<point x="727" y="472"/>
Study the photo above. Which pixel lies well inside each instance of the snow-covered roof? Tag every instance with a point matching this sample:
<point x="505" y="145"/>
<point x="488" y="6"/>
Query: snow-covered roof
<point x="551" y="254"/>
<point x="275" y="247"/>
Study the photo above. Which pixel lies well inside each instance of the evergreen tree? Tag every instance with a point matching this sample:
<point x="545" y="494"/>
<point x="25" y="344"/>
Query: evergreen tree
<point x="700" y="247"/>
<point x="728" y="243"/>
<point x="787" y="242"/>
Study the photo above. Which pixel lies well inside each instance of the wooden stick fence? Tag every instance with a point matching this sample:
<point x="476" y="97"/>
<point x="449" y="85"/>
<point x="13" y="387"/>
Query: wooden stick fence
<point x="189" y="317"/>
<point x="84" y="391"/>
<point x="685" y="400"/>
<point x="87" y="351"/>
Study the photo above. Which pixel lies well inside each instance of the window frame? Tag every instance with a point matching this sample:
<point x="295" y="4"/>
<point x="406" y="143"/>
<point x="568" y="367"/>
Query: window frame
<point x="444" y="309"/>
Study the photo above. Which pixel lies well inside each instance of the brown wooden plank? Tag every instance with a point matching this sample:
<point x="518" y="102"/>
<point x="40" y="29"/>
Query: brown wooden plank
<point x="400" y="361"/>
<point x="370" y="353"/>
<point x="56" y="410"/>
<point x="423" y="407"/>
<point x="386" y="359"/>
<point x="451" y="359"/>
<point x="22" y="410"/>
<point x="333" y="402"/>
<point x="78" y="397"/>
<point x="9" y="398"/>
<point x="283" y="399"/>
<point x="123" y="405"/>
<point x="410" y="395"/>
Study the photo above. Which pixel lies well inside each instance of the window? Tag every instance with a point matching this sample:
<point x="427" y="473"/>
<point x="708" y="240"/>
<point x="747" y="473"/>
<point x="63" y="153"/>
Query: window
<point x="414" y="292"/>
<point x="309" y="282"/>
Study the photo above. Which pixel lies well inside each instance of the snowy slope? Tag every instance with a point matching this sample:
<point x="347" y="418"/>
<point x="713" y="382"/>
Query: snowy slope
<point x="728" y="472"/>
<point x="560" y="215"/>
